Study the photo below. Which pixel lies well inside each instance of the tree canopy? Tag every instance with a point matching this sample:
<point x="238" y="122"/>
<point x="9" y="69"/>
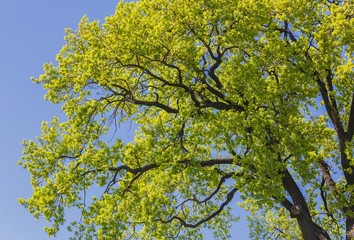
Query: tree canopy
<point x="234" y="102"/>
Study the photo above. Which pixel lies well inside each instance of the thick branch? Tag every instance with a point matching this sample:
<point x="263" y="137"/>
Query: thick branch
<point x="332" y="112"/>
<point x="212" y="72"/>
<point x="156" y="104"/>
<point x="287" y="32"/>
<point x="309" y="229"/>
<point x="327" y="177"/>
<point x="350" y="132"/>
<point x="207" y="163"/>
<point x="128" y="96"/>
<point x="287" y="204"/>
<point x="299" y="207"/>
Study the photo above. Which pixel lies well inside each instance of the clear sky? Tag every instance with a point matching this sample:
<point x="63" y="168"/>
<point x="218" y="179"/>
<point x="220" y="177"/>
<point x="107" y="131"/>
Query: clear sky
<point x="31" y="34"/>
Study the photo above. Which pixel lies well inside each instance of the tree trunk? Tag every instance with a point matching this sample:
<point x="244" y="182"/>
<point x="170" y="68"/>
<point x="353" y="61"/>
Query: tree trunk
<point x="300" y="211"/>
<point x="349" y="223"/>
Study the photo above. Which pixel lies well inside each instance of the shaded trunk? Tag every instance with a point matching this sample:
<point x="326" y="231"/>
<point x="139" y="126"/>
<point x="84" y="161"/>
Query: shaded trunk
<point x="300" y="211"/>
<point x="349" y="224"/>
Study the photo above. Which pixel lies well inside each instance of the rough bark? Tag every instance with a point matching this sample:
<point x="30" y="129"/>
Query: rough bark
<point x="300" y="211"/>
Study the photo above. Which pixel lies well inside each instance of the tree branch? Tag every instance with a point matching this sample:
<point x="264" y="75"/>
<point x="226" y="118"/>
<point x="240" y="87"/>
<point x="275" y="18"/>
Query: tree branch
<point x="327" y="177"/>
<point x="221" y="182"/>
<point x="331" y="110"/>
<point x="350" y="132"/>
<point x="229" y="197"/>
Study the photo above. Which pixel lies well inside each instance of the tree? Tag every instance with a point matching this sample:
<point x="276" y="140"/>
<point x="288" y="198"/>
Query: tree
<point x="248" y="101"/>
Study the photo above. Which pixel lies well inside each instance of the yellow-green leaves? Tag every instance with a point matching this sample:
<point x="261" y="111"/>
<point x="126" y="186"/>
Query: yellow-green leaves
<point x="224" y="98"/>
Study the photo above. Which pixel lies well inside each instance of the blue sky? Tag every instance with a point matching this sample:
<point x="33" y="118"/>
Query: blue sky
<point x="31" y="34"/>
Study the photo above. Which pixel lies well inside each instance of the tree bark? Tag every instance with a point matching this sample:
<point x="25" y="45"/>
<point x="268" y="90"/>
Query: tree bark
<point x="300" y="211"/>
<point x="349" y="224"/>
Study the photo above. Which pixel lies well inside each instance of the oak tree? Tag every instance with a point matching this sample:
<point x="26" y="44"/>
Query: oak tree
<point x="234" y="102"/>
